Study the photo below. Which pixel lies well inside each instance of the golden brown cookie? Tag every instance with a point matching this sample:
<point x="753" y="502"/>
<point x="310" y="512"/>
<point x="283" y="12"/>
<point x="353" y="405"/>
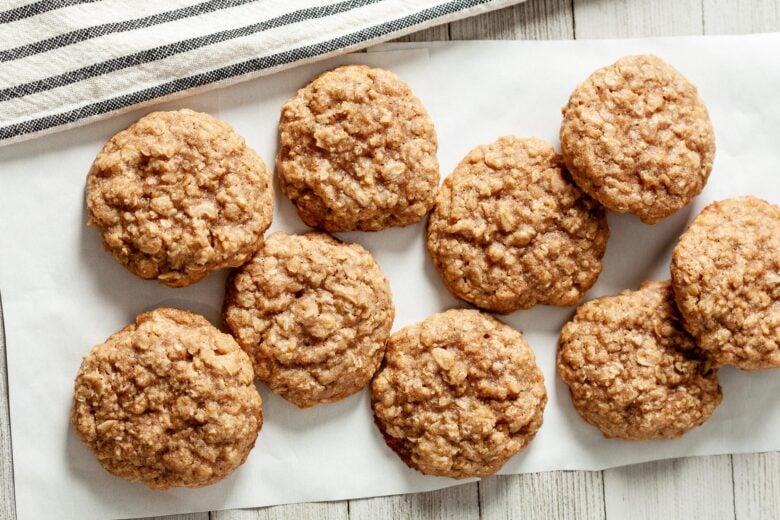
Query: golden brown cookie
<point x="637" y="138"/>
<point x="168" y="401"/>
<point x="357" y="151"/>
<point x="458" y="394"/>
<point x="726" y="277"/>
<point x="313" y="313"/>
<point x="511" y="230"/>
<point x="633" y="371"/>
<point x="178" y="195"/>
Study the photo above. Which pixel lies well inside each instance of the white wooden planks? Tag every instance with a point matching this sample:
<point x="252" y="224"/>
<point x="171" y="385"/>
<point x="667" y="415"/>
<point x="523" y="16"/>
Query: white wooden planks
<point x="742" y="16"/>
<point x="532" y="20"/>
<point x="457" y="503"/>
<point x="757" y="485"/>
<point x="630" y="18"/>
<point x="688" y="489"/>
<point x="191" y="516"/>
<point x="554" y="494"/>
<point x="319" y="511"/>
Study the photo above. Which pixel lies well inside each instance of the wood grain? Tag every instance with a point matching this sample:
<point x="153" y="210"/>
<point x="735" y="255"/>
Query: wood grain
<point x="314" y="511"/>
<point x="190" y="516"/>
<point x="434" y="34"/>
<point x="686" y="489"/>
<point x="630" y="18"/>
<point x="738" y="17"/>
<point x="554" y="494"/>
<point x="457" y="503"/>
<point x="757" y="485"/>
<point x="532" y="20"/>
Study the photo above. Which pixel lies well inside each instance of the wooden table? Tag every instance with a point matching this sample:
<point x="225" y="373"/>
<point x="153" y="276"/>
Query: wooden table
<point x="712" y="488"/>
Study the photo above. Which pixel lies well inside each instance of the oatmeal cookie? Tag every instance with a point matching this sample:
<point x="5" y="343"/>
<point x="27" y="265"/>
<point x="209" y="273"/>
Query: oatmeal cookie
<point x="178" y="195"/>
<point x="168" y="401"/>
<point x="726" y="278"/>
<point x="633" y="371"/>
<point x="637" y="138"/>
<point x="313" y="314"/>
<point x="511" y="230"/>
<point x="357" y="151"/>
<point x="458" y="394"/>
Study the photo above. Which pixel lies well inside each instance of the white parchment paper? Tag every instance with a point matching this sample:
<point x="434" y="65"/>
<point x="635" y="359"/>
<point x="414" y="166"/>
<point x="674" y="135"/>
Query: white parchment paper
<point x="62" y="294"/>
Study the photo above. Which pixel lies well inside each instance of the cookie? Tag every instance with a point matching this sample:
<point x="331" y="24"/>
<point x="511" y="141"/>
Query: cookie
<point x="726" y="276"/>
<point x="357" y="151"/>
<point x="313" y="314"/>
<point x="178" y="195"/>
<point x="168" y="401"/>
<point x="632" y="369"/>
<point x="637" y="138"/>
<point x="458" y="394"/>
<point x="511" y="230"/>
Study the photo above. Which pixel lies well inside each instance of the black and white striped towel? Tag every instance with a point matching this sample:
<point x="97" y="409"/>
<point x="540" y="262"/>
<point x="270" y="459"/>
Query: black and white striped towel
<point x="67" y="62"/>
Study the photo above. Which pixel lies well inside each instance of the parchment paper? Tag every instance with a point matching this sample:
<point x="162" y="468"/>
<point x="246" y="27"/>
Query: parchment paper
<point x="62" y="294"/>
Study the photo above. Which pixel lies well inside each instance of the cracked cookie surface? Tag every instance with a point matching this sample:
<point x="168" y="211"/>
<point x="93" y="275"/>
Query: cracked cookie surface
<point x="357" y="151"/>
<point x="510" y="229"/>
<point x="313" y="314"/>
<point x="178" y="195"/>
<point x="633" y="371"/>
<point x="637" y="138"/>
<point x="726" y="276"/>
<point x="168" y="401"/>
<point x="458" y="395"/>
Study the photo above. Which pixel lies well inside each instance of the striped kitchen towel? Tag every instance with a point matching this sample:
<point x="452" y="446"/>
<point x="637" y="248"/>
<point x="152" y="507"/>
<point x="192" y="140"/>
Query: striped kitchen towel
<point x="67" y="62"/>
